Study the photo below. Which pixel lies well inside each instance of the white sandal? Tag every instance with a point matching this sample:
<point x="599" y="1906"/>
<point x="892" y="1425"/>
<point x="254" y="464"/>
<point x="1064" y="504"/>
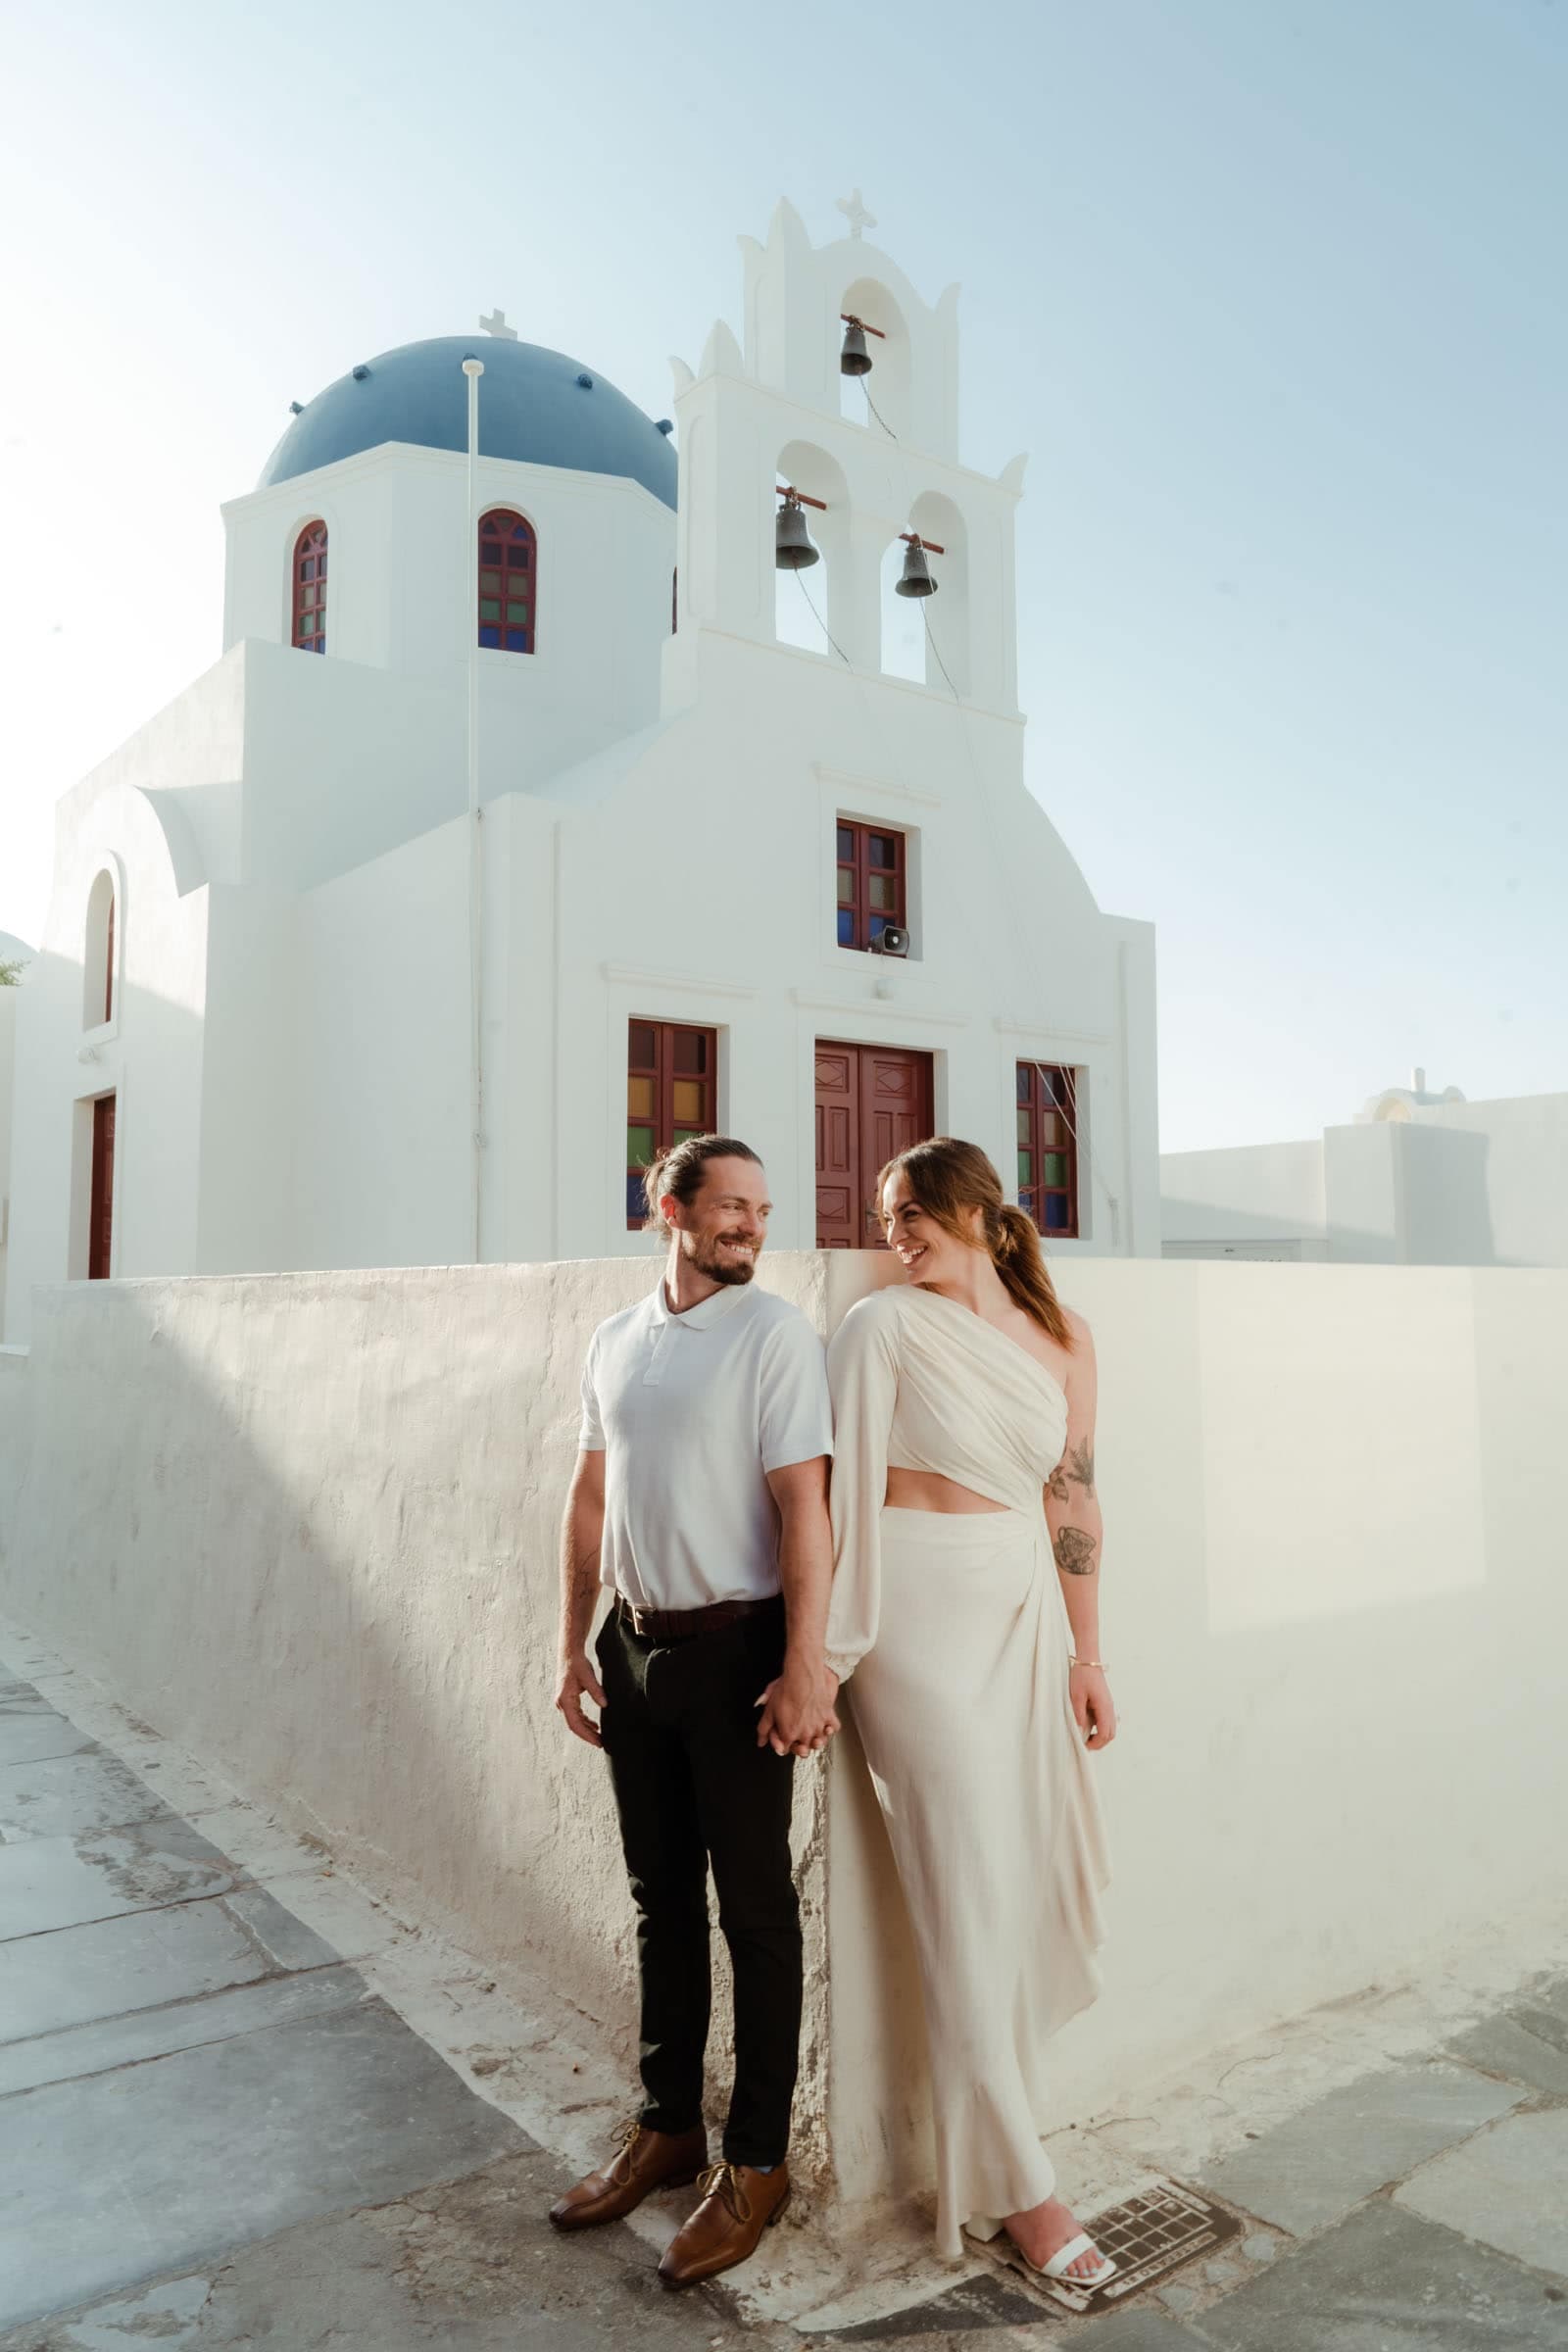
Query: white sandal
<point x="1065" y="2257"/>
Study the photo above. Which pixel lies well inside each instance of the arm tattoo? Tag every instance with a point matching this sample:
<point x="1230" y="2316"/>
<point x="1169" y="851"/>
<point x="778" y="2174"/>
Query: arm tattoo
<point x="1074" y="1469"/>
<point x="1075" y="1552"/>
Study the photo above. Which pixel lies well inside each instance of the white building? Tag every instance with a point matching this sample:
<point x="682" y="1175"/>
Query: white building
<point x="1419" y="1178"/>
<point x="278" y="944"/>
<point x="12" y="952"/>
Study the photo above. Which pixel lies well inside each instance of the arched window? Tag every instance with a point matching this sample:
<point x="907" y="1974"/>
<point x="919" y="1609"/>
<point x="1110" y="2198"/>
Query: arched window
<point x="98" y="954"/>
<point x="508" y="582"/>
<point x="310" y="588"/>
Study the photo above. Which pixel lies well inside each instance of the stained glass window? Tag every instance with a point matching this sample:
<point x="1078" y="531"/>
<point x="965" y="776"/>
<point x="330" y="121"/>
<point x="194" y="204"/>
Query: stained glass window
<point x="308" y="630"/>
<point x="871" y="888"/>
<point x="672" y="1091"/>
<point x="507" y="563"/>
<point x="1048" y="1147"/>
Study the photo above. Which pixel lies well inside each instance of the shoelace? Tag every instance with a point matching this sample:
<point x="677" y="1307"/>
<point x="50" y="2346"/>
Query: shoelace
<point x="618" y="2168"/>
<point x="723" y="2181"/>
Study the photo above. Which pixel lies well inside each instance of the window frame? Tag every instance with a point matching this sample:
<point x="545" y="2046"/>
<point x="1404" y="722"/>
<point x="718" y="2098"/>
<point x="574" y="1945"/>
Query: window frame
<point x="515" y="520"/>
<point x="1037" y="1101"/>
<point x="859" y="867"/>
<point x="666" y="1075"/>
<point x="311" y="546"/>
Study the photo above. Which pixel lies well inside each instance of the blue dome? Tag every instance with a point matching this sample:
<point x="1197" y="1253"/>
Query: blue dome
<point x="536" y="406"/>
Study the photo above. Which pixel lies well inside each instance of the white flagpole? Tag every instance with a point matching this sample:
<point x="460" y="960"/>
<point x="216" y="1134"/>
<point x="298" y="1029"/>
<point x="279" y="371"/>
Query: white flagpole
<point x="474" y="370"/>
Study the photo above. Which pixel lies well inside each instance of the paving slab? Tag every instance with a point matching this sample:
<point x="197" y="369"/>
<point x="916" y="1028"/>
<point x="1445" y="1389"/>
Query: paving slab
<point x="65" y="1796"/>
<point x="975" y="2303"/>
<point x="1388" y="2281"/>
<point x="48" y="1882"/>
<point x="182" y="2025"/>
<point x="209" y="2149"/>
<point x="1507" y="2186"/>
<point x="1508" y="2044"/>
<point x="139" y="1960"/>
<point x="286" y="1941"/>
<point x="471" y="2267"/>
<point x="1139" y="2332"/>
<point x="1313" y="2168"/>
<point x="26" y="1737"/>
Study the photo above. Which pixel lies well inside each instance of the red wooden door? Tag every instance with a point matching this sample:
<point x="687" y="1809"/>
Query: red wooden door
<point x="100" y="1232"/>
<point x="871" y="1101"/>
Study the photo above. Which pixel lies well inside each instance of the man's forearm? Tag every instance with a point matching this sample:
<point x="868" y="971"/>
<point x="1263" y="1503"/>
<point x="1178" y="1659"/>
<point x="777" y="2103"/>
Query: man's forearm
<point x="805" y="1573"/>
<point x="581" y="1534"/>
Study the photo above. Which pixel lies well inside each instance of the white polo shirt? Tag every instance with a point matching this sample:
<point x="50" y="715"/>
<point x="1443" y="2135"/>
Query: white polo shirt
<point x="692" y="1413"/>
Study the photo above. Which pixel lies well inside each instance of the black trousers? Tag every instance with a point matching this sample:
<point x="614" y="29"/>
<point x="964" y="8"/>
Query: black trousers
<point x="692" y="1788"/>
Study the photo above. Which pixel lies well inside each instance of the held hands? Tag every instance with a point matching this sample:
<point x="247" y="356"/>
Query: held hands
<point x="798" y="1713"/>
<point x="577" y="1682"/>
<point x="1093" y="1705"/>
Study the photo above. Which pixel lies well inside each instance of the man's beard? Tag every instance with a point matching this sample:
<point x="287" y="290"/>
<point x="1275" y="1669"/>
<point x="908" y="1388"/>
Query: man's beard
<point x="704" y="1256"/>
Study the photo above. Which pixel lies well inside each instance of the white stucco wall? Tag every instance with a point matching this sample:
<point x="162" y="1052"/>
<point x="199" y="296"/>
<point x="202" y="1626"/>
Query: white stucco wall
<point x="307" y="1525"/>
<point x="1255" y="1191"/>
<point x="8" y="1057"/>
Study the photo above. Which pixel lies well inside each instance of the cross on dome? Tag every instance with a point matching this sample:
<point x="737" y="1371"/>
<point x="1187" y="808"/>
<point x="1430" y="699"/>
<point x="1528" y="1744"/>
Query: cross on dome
<point x="856" y="213"/>
<point x="496" y="325"/>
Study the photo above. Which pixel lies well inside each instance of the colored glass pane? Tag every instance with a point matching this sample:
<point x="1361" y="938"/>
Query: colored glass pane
<point x="318" y="645"/>
<point x="884" y="891"/>
<point x="489" y="583"/>
<point x="516" y="641"/>
<point x="490" y="636"/>
<point x="846" y="848"/>
<point x="1023" y="1125"/>
<point x="489" y="607"/>
<point x="1023" y="1081"/>
<point x="639" y="1098"/>
<point x="686" y="1098"/>
<point x="644" y="1051"/>
<point x="308" y="568"/>
<point x="517" y="556"/>
<point x="320" y="565"/>
<point x="636" y="1204"/>
<point x="307" y="624"/>
<point x="845" y="927"/>
<point x="1053" y="1169"/>
<point x="681" y="1133"/>
<point x="490" y="551"/>
<point x="518" y="615"/>
<point x="1024" y="1173"/>
<point x="1055" y="1213"/>
<point x="846" y="885"/>
<point x="879" y="923"/>
<point x="691" y="1052"/>
<point x="882" y="850"/>
<point x="640" y="1145"/>
<point x="308" y="596"/>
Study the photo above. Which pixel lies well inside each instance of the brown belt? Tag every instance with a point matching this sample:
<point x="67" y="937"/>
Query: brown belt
<point x="679" y="1625"/>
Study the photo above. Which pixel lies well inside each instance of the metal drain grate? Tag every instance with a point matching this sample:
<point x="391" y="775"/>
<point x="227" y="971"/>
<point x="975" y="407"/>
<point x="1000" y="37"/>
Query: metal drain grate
<point x="1148" y="2237"/>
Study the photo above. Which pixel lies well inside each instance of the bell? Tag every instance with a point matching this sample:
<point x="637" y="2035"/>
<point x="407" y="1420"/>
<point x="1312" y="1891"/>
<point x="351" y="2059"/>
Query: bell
<point x="855" y="359"/>
<point x="917" y="581"/>
<point x="792" y="541"/>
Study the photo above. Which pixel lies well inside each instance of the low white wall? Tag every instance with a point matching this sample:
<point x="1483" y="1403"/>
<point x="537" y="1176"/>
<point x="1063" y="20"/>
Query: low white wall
<point x="307" y="1524"/>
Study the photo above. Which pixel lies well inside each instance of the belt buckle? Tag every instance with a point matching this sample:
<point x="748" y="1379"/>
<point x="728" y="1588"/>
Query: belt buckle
<point x="636" y="1616"/>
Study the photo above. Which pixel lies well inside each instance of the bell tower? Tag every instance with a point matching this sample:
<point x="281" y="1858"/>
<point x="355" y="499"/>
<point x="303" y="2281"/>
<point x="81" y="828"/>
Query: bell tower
<point x="881" y="465"/>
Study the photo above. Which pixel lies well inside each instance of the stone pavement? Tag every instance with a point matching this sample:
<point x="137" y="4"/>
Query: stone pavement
<point x="242" y="2104"/>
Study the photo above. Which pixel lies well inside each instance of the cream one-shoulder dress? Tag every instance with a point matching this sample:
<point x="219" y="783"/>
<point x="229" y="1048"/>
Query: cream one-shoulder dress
<point x="955" y="1632"/>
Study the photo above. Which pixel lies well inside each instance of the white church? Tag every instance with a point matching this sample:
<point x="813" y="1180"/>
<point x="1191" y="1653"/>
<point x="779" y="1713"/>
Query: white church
<point x="552" y="799"/>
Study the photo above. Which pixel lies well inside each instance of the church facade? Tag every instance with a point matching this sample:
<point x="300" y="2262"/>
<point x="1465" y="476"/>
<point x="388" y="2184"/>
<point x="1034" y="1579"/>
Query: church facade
<point x="512" y="836"/>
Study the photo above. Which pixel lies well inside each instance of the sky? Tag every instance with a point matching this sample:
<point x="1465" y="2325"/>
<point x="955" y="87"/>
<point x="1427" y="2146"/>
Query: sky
<point x="1270" y="290"/>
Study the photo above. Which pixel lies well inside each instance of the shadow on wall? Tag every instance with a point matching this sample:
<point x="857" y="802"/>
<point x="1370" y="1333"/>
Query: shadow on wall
<point x="1446" y="1197"/>
<point x="311" y="1534"/>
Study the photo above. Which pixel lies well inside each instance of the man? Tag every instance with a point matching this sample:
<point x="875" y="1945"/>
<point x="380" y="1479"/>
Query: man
<point x="700" y="1500"/>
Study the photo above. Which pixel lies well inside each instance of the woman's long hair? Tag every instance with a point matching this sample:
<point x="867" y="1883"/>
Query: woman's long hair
<point x="948" y="1179"/>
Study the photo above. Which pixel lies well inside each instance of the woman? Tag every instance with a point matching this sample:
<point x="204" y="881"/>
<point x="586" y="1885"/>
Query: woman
<point x="964" y="1411"/>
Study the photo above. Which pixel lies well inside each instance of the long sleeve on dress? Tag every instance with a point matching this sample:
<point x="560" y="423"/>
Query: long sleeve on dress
<point x="863" y="1378"/>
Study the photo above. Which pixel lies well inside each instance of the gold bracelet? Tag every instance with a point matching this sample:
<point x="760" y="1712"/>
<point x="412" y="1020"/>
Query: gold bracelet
<point x="1099" y="1662"/>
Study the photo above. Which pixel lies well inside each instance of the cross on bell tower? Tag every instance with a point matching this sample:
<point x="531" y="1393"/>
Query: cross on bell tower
<point x="856" y="213"/>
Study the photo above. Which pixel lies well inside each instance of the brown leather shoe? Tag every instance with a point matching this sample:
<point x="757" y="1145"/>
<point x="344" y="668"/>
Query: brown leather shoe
<point x="643" y="2161"/>
<point x="737" y="2205"/>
